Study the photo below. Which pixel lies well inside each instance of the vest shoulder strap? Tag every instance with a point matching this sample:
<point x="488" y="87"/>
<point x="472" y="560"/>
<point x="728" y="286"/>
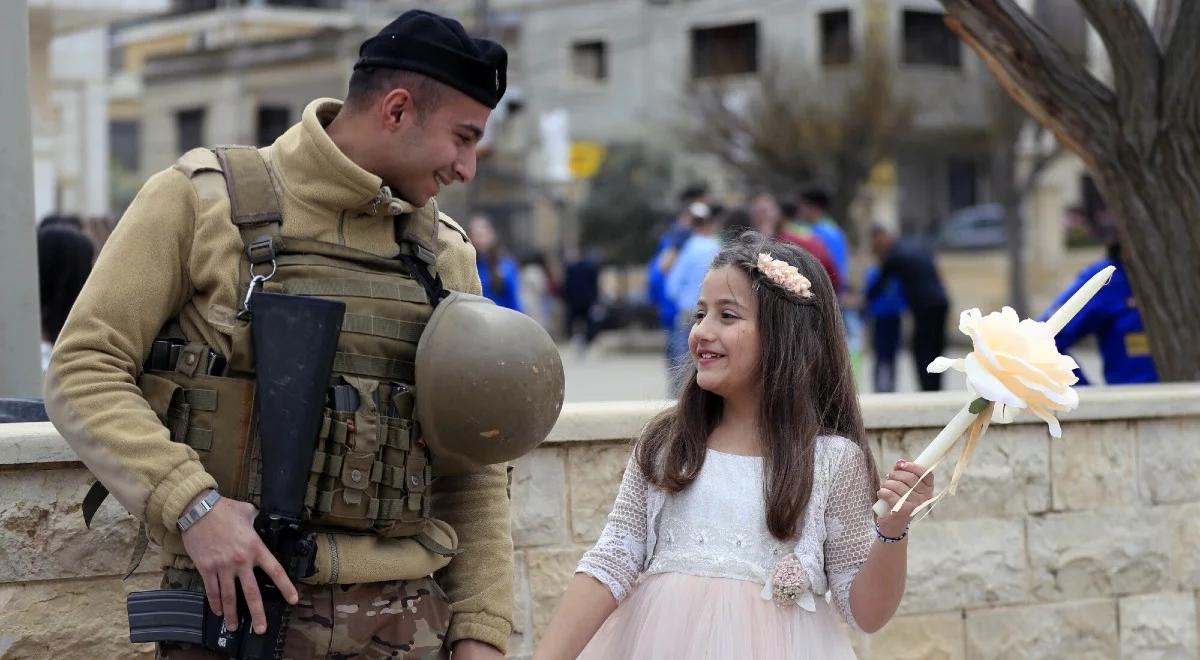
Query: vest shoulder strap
<point x="253" y="200"/>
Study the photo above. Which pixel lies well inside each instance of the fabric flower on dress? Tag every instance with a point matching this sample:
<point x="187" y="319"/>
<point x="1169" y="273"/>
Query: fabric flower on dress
<point x="784" y="275"/>
<point x="789" y="585"/>
<point x="1016" y="364"/>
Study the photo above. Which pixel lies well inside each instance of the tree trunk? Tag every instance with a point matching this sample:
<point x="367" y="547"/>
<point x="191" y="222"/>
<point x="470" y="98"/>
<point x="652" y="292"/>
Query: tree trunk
<point x="1141" y="143"/>
<point x="1158" y="209"/>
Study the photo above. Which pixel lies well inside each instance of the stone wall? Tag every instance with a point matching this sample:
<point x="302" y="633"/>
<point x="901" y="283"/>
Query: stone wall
<point x="1084" y="547"/>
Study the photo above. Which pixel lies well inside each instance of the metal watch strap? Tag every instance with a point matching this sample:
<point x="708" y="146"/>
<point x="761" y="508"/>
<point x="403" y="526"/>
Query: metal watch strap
<point x="198" y="510"/>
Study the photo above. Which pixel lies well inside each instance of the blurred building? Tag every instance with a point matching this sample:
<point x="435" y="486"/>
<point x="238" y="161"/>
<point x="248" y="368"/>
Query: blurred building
<point x="68" y="90"/>
<point x="583" y="73"/>
<point x="622" y="69"/>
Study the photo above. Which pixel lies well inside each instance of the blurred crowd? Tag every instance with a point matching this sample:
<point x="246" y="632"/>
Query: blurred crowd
<point x="568" y="295"/>
<point x="871" y="310"/>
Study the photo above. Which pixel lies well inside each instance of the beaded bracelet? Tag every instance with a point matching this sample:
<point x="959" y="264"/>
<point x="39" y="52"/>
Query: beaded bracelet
<point x="890" y="539"/>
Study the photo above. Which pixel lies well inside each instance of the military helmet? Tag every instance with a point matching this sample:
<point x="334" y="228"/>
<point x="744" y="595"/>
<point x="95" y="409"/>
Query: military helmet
<point x="489" y="384"/>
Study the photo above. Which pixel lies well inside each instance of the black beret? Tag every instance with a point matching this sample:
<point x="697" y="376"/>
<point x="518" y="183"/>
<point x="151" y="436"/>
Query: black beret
<point x="440" y="48"/>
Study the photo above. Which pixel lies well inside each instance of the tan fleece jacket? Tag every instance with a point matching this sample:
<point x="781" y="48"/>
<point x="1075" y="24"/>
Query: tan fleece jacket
<point x="175" y="254"/>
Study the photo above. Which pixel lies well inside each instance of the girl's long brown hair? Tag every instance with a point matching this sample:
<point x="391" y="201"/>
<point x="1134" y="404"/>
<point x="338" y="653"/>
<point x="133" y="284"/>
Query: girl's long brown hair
<point x="807" y="390"/>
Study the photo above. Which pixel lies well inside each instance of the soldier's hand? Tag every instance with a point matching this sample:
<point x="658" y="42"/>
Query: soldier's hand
<point x="225" y="548"/>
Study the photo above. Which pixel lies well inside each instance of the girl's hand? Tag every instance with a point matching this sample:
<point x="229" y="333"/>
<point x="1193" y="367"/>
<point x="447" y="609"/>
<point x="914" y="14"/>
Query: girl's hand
<point x="895" y="484"/>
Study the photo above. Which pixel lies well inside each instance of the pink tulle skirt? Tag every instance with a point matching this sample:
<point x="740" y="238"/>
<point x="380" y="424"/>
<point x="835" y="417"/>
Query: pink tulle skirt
<point x="670" y="615"/>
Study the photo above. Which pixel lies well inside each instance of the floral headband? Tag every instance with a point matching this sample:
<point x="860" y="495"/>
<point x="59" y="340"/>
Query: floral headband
<point x="784" y="275"/>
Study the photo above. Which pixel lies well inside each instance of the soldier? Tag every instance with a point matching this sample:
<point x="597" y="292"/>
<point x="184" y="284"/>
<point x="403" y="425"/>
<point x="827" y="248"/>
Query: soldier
<point x="152" y="381"/>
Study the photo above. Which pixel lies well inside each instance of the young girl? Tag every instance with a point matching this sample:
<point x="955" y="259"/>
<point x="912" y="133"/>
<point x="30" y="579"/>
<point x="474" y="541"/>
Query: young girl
<point x="751" y="498"/>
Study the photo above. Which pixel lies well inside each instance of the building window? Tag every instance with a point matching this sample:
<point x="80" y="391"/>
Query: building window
<point x="273" y="120"/>
<point x="961" y="181"/>
<point x="927" y="40"/>
<point x="189" y="129"/>
<point x="836" y="46"/>
<point x="123" y="143"/>
<point x="726" y="50"/>
<point x="589" y="61"/>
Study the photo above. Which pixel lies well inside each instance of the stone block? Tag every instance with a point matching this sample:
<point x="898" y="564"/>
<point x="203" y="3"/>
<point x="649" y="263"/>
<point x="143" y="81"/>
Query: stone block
<point x="77" y="619"/>
<point x="595" y="474"/>
<point x="1185" y="548"/>
<point x="1091" y="554"/>
<point x="1158" y="626"/>
<point x="927" y="637"/>
<point x="539" y="503"/>
<point x="1168" y="460"/>
<point x="1094" y="466"/>
<point x="549" y="572"/>
<point x="519" y="643"/>
<point x="1009" y="473"/>
<point x="1082" y="630"/>
<point x="965" y="563"/>
<point x="42" y="535"/>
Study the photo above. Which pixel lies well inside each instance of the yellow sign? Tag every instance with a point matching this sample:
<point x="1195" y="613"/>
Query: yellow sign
<point x="883" y="175"/>
<point x="586" y="159"/>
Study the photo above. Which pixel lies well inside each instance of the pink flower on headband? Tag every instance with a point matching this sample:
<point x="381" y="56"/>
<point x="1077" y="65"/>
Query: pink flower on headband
<point x="784" y="275"/>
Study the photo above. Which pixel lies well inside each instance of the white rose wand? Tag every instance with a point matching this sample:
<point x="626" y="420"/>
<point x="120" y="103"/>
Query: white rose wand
<point x="1014" y="365"/>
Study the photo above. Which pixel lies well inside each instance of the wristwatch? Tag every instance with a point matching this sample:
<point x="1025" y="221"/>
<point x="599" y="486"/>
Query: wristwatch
<point x="198" y="510"/>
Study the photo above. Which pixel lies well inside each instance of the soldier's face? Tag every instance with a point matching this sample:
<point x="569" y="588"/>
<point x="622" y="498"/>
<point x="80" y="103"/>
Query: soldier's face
<point x="435" y="150"/>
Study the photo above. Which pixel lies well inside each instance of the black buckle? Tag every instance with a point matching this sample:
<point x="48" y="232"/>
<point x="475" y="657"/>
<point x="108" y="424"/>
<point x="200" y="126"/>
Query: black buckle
<point x="261" y="249"/>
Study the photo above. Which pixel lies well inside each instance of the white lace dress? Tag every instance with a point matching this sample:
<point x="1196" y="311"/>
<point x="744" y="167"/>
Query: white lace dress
<point x="691" y="570"/>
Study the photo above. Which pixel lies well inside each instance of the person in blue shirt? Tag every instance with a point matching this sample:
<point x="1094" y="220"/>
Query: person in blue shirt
<point x="814" y="210"/>
<point x="498" y="272"/>
<point x="886" y="312"/>
<point x="683" y="288"/>
<point x="1113" y="317"/>
<point x="693" y="204"/>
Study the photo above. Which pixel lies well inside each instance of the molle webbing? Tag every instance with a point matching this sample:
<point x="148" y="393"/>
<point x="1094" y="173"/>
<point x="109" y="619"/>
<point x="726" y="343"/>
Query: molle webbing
<point x="404" y="290"/>
<point x="374" y="367"/>
<point x="378" y="326"/>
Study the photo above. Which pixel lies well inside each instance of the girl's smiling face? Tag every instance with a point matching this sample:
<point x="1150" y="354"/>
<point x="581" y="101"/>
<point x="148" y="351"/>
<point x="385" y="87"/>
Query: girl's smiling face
<point x="724" y="338"/>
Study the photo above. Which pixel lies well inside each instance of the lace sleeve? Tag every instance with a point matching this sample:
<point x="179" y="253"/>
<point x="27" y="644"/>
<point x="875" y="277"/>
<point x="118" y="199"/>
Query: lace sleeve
<point x="849" y="527"/>
<point x="619" y="553"/>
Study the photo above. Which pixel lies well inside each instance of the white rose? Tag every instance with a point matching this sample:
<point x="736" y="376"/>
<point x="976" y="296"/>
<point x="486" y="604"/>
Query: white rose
<point x="1016" y="364"/>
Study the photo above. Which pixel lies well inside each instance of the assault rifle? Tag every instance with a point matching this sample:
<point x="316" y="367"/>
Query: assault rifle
<point x="295" y="340"/>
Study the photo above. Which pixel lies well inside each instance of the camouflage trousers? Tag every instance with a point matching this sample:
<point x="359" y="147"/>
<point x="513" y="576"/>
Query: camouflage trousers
<point x="369" y="621"/>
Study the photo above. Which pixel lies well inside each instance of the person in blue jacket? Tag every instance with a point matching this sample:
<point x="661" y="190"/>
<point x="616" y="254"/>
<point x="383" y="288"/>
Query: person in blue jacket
<point x="1113" y="317"/>
<point x="692" y="204"/>
<point x="498" y="272"/>
<point x="814" y="210"/>
<point x="885" y="313"/>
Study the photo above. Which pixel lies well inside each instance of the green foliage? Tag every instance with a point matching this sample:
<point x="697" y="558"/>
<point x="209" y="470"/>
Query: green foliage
<point x="625" y="205"/>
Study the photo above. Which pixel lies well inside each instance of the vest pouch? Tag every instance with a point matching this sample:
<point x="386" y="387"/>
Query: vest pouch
<point x="405" y="487"/>
<point x="213" y="415"/>
<point x="338" y="496"/>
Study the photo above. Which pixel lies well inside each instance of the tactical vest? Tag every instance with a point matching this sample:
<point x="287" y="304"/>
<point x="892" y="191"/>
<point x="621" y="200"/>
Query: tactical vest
<point x="371" y="471"/>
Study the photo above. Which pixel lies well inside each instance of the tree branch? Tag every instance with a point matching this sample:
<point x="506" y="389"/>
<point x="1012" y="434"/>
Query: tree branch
<point x="1181" y="75"/>
<point x="1038" y="73"/>
<point x="1136" y="64"/>
<point x="1165" y="14"/>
